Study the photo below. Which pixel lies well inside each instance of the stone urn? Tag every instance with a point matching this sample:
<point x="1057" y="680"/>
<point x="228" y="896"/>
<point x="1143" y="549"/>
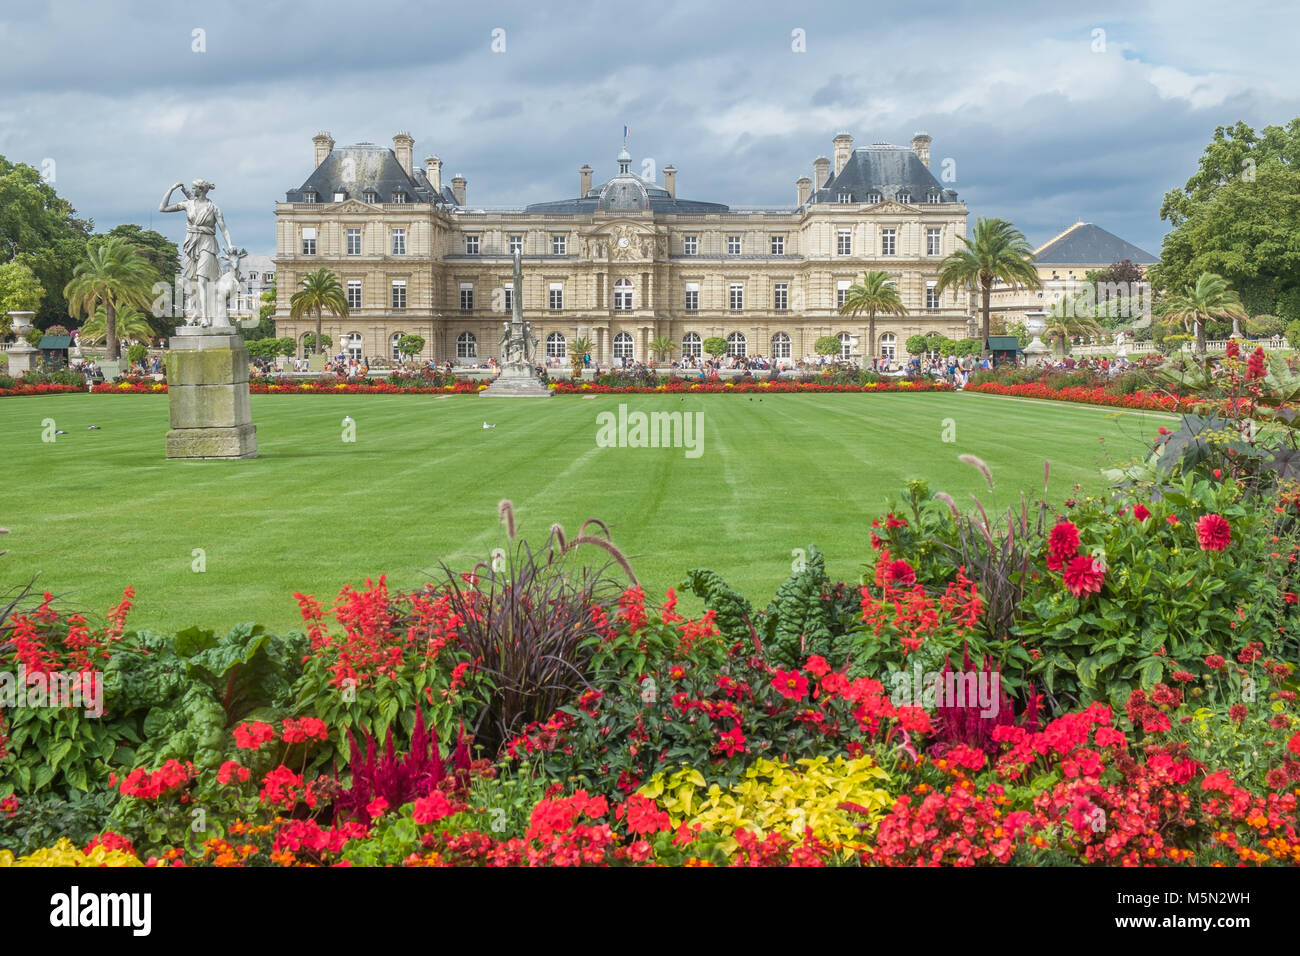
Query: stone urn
<point x="21" y="355"/>
<point x="1035" y="325"/>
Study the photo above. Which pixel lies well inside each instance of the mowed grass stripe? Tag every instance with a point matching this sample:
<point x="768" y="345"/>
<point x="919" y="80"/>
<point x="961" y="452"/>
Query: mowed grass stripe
<point x="97" y="510"/>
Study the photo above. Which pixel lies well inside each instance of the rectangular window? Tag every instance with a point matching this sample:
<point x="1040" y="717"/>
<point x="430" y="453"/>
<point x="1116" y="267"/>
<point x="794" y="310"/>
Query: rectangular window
<point x="516" y="245"/>
<point x="309" y="241"/>
<point x="844" y="243"/>
<point x="354" y="242"/>
<point x="692" y="297"/>
<point x="556" y="295"/>
<point x="466" y="297"/>
<point x="690" y="245"/>
<point x="932" y="242"/>
<point x="339" y="197"/>
<point x="733" y="245"/>
<point x="778" y="245"/>
<point x="931" y="295"/>
<point x="888" y="242"/>
<point x="309" y="197"/>
<point x="737" y="296"/>
<point x="354" y="293"/>
<point x="399" y="293"/>
<point x="399" y="198"/>
<point x="399" y="242"/>
<point x="471" y="245"/>
<point x="510" y="296"/>
<point x="559" y="245"/>
<point x="841" y="292"/>
<point x="781" y="296"/>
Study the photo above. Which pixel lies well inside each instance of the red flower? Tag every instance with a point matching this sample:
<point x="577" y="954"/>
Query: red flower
<point x="1062" y="544"/>
<point x="304" y="729"/>
<point x="731" y="742"/>
<point x="791" y="685"/>
<point x="1162" y="430"/>
<point x="1214" y="662"/>
<point x="1237" y="712"/>
<point x="1233" y="350"/>
<point x="432" y="808"/>
<point x="1255" y="365"/>
<point x="251" y="736"/>
<point x="1084" y="575"/>
<point x="1290" y="597"/>
<point x="1213" y="532"/>
<point x="817" y="666"/>
<point x="230" y="772"/>
<point x="1293" y="745"/>
<point x="1172" y="519"/>
<point x="376" y="807"/>
<point x="1141" y="513"/>
<point x="899" y="572"/>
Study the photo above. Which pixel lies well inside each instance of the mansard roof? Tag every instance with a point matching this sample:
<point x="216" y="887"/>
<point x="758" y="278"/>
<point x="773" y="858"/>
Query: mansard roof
<point x="356" y="170"/>
<point x="1087" y="244"/>
<point x="886" y="170"/>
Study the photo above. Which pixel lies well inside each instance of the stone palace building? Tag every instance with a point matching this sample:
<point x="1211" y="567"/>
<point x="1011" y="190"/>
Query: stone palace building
<point x="622" y="262"/>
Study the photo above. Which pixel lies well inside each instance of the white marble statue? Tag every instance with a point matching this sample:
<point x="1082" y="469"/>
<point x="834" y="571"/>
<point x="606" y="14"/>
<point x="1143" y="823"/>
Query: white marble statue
<point x="202" y="271"/>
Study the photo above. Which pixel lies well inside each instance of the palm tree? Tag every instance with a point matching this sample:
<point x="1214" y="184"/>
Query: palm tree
<point x="662" y="346"/>
<point x="875" y="293"/>
<point x="577" y="349"/>
<point x="320" y="292"/>
<point x="1210" y="298"/>
<point x="129" y="324"/>
<point x="1064" y="322"/>
<point x="998" y="251"/>
<point x="113" y="275"/>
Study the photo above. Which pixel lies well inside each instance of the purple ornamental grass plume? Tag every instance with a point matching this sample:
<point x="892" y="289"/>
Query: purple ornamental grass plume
<point x="979" y="465"/>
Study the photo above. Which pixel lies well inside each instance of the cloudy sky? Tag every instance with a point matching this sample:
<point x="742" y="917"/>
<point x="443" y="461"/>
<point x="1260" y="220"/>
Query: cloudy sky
<point x="1047" y="120"/>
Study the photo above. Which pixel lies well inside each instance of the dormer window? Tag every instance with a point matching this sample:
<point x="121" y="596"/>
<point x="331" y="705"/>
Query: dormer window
<point x="846" y="197"/>
<point x="372" y="197"/>
<point x="309" y="196"/>
<point x="905" y="198"/>
<point x="874" y="197"/>
<point x="399" y="197"/>
<point x="934" y="196"/>
<point x="339" y="195"/>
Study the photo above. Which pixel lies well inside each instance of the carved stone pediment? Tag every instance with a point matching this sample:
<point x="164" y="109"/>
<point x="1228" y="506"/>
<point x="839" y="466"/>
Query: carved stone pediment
<point x="352" y="206"/>
<point x="889" y="205"/>
<point x="625" y="242"/>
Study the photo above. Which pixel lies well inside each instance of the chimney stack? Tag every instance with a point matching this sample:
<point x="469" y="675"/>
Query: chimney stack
<point x="433" y="172"/>
<point x="821" y="172"/>
<point x="670" y="180"/>
<point x="584" y="180"/>
<point x="324" y="146"/>
<point x="802" y="189"/>
<point x="458" y="184"/>
<point x="404" y="147"/>
<point x="921" y="146"/>
<point x="843" y="150"/>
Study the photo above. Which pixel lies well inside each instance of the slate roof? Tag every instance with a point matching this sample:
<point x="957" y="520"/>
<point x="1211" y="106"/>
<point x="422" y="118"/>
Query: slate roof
<point x="885" y="169"/>
<point x="352" y="170"/>
<point x="615" y="193"/>
<point x="1087" y="244"/>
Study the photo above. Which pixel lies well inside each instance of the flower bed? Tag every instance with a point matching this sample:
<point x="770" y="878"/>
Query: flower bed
<point x="1095" y="395"/>
<point x="685" y="386"/>
<point x="43" y="389"/>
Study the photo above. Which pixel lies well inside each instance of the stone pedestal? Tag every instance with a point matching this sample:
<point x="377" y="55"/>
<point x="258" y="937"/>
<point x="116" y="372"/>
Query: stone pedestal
<point x="516" y="381"/>
<point x="207" y="391"/>
<point x="22" y="358"/>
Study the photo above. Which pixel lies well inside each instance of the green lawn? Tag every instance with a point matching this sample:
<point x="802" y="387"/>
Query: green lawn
<point x="97" y="510"/>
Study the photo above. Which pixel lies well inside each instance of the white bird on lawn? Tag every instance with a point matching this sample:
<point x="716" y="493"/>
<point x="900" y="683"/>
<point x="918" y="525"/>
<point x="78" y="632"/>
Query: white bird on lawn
<point x="486" y="425"/>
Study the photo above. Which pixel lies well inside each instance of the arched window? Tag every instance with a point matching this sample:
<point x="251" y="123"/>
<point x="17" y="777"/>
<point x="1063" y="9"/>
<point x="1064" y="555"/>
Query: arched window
<point x="397" y="337"/>
<point x="691" y="345"/>
<point x="888" y="346"/>
<point x="623" y="348"/>
<point x="306" y="348"/>
<point x="780" y="346"/>
<point x="846" y="346"/>
<point x="466" y="346"/>
<point x="623" y="295"/>
<point x="556" y="346"/>
<point x="736" y="344"/>
<point x="351" y="345"/>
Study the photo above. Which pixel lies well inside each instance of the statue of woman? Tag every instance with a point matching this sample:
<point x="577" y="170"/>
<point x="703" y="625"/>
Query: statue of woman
<point x="201" y="272"/>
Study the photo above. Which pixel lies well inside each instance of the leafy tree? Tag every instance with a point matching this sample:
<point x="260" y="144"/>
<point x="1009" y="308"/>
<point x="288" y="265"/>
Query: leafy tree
<point x="265" y="328"/>
<point x="309" y="341"/>
<point x="998" y="251"/>
<point x="916" y="344"/>
<point x="663" y="347"/>
<point x="115" y="275"/>
<point x="409" y="345"/>
<point x="321" y="292"/>
<point x="1293" y="335"/>
<point x="285" y="346"/>
<point x="1239" y="216"/>
<point x="41" y="229"/>
<point x="129" y="323"/>
<point x="20" y="291"/>
<point x="875" y="293"/>
<point x="1065" y="322"/>
<point x="137" y="353"/>
<point x="1210" y="298"/>
<point x="715" y="345"/>
<point x="829" y="345"/>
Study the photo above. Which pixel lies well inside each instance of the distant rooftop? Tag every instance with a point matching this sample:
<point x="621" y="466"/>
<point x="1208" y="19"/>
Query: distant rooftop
<point x="1087" y="244"/>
